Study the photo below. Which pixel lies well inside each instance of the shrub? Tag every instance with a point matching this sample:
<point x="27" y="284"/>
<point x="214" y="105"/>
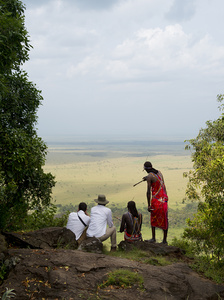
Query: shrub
<point x="45" y="218"/>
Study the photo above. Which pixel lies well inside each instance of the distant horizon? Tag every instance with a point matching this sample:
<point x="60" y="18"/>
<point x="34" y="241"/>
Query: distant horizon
<point x="68" y="138"/>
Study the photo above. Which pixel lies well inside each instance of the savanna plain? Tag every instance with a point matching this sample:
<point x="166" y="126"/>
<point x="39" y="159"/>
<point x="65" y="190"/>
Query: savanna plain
<point x="85" y="169"/>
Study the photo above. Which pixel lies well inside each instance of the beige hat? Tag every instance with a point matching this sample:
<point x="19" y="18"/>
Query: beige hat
<point x="101" y="200"/>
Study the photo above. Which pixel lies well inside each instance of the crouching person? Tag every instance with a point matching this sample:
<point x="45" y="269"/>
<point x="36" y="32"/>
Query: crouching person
<point x="101" y="216"/>
<point x="78" y="222"/>
<point x="131" y="223"/>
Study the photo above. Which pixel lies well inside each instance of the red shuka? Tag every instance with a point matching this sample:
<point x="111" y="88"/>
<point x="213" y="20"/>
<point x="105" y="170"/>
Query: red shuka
<point x="159" y="213"/>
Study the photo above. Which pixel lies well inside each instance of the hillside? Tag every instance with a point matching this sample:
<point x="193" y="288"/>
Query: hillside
<point x="56" y="273"/>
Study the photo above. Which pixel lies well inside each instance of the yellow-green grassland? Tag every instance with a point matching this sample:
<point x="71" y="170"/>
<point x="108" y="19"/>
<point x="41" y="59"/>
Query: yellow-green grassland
<point x="82" y="173"/>
<point x="84" y="170"/>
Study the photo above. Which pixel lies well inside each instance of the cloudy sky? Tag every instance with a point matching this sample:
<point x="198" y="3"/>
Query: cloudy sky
<point x="135" y="68"/>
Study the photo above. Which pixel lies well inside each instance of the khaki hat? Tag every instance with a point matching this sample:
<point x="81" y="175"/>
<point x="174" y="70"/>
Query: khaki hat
<point x="101" y="200"/>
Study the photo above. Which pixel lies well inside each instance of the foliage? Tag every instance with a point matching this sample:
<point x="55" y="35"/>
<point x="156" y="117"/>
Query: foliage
<point x="8" y="294"/>
<point x="44" y="218"/>
<point x="3" y="272"/>
<point x="177" y="217"/>
<point x="206" y="184"/>
<point x="190" y="248"/>
<point x="23" y="184"/>
<point x="123" y="278"/>
<point x="213" y="270"/>
<point x="210" y="268"/>
<point x="14" y="40"/>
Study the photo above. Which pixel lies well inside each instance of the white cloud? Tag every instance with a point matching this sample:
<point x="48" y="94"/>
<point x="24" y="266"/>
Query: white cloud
<point x="169" y="50"/>
<point x="89" y="63"/>
<point x="109" y="56"/>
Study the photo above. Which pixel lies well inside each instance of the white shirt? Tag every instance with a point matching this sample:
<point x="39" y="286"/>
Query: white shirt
<point x="99" y="218"/>
<point x="75" y="225"/>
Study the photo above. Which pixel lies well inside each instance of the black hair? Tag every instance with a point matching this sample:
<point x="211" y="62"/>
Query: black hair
<point x="82" y="206"/>
<point x="132" y="208"/>
<point x="148" y="168"/>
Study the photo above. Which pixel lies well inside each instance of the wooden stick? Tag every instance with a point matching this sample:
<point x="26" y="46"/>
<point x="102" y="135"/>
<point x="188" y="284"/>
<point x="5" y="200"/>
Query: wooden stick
<point x="138" y="182"/>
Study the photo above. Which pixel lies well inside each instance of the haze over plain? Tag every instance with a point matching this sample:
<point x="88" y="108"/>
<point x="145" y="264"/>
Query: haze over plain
<point x="149" y="68"/>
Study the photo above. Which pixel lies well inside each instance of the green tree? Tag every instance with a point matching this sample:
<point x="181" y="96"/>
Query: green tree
<point x="23" y="184"/>
<point x="206" y="184"/>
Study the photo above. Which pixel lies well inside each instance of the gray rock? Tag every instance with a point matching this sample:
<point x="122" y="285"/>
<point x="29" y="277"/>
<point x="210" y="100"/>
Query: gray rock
<point x="92" y="244"/>
<point x="152" y="248"/>
<point x="72" y="274"/>
<point x="46" y="238"/>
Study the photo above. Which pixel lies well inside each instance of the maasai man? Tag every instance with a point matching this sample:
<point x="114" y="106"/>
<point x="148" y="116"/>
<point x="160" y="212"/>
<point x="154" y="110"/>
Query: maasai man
<point x="157" y="201"/>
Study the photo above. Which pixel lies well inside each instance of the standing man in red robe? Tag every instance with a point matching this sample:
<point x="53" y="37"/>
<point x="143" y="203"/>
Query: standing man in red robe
<point x="157" y="201"/>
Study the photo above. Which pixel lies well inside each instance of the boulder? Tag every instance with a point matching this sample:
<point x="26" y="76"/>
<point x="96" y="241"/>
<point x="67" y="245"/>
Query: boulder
<point x="92" y="244"/>
<point x="152" y="248"/>
<point x="46" y="238"/>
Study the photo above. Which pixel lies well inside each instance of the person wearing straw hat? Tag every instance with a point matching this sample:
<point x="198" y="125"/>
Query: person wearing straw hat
<point x="100" y="217"/>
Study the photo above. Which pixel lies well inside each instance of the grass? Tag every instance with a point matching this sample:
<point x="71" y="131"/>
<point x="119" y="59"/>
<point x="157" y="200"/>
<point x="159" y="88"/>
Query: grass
<point x="203" y="265"/>
<point x="8" y="294"/>
<point x="3" y="272"/>
<point x="84" y="171"/>
<point x="141" y="256"/>
<point x="123" y="278"/>
<point x="81" y="174"/>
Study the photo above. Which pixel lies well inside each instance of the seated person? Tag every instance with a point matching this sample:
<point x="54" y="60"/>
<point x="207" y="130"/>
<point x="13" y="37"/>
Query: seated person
<point x="78" y="222"/>
<point x="131" y="223"/>
<point x="101" y="216"/>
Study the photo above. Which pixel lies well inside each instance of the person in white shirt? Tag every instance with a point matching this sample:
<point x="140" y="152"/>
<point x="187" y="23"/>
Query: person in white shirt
<point x="78" y="222"/>
<point x="101" y="216"/>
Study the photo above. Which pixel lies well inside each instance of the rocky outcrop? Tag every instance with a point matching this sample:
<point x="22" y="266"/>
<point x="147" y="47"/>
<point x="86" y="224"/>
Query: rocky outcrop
<point x="44" y="268"/>
<point x="71" y="274"/>
<point x="92" y="244"/>
<point x="152" y="248"/>
<point x="46" y="238"/>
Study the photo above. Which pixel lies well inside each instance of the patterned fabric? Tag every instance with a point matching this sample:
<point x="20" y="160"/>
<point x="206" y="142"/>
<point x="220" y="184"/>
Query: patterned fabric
<point x="136" y="234"/>
<point x="159" y="213"/>
<point x="132" y="237"/>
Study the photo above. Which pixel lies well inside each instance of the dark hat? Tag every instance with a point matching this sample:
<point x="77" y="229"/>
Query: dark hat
<point x="101" y="200"/>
